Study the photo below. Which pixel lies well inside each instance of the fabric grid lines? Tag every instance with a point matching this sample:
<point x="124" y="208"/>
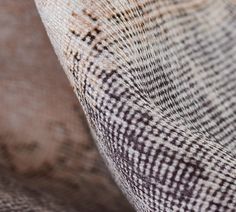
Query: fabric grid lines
<point x="157" y="82"/>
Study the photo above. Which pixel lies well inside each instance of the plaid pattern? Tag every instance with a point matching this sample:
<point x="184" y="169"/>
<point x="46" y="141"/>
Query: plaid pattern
<point x="157" y="81"/>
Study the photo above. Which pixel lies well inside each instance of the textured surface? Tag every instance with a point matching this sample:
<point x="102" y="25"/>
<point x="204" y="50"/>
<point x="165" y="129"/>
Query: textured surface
<point x="43" y="132"/>
<point x="19" y="197"/>
<point x="157" y="82"/>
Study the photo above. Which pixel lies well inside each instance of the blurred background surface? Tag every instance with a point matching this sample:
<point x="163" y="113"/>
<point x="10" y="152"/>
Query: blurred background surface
<point x="44" y="137"/>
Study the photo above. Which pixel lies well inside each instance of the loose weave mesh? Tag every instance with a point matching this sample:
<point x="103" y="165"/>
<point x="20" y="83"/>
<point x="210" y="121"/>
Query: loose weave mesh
<point x="157" y="81"/>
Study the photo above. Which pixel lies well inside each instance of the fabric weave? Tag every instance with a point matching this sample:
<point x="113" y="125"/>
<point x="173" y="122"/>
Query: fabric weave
<point x="157" y="81"/>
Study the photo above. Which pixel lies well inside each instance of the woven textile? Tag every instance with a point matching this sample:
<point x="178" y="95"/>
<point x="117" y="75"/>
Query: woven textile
<point x="157" y="81"/>
<point x="43" y="131"/>
<point x="16" y="196"/>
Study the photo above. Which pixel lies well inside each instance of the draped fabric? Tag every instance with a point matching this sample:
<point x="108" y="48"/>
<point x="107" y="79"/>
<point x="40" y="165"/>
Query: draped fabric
<point x="157" y="82"/>
<point x="44" y="137"/>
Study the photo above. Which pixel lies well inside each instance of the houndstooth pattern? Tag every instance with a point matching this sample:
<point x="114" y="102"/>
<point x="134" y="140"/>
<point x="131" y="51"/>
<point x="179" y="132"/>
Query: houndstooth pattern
<point x="157" y="81"/>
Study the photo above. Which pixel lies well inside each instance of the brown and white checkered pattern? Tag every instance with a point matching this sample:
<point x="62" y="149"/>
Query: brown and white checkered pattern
<point x="157" y="81"/>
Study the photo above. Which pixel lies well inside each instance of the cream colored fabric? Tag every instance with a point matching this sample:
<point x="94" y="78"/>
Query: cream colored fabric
<point x="157" y="81"/>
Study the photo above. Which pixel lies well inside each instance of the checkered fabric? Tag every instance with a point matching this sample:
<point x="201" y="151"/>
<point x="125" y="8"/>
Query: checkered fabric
<point x="157" y="81"/>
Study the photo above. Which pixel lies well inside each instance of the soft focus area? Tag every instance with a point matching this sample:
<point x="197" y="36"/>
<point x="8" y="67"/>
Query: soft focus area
<point x="44" y="137"/>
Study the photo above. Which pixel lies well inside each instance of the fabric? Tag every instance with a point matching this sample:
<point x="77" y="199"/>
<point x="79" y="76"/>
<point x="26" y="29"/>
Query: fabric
<point x="16" y="196"/>
<point x="157" y="81"/>
<point x="44" y="137"/>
